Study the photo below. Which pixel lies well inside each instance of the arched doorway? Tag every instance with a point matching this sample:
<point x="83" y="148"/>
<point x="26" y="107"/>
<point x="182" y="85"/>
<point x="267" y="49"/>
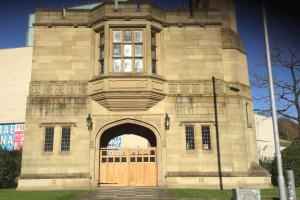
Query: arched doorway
<point x="128" y="166"/>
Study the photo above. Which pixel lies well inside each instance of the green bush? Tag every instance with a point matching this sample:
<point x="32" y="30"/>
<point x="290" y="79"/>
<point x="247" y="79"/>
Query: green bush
<point x="290" y="161"/>
<point x="266" y="166"/>
<point x="10" y="167"/>
<point x="17" y="157"/>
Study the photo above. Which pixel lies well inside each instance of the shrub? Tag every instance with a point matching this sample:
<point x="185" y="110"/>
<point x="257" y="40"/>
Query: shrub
<point x="290" y="161"/>
<point x="266" y="166"/>
<point x="8" y="171"/>
<point x="17" y="157"/>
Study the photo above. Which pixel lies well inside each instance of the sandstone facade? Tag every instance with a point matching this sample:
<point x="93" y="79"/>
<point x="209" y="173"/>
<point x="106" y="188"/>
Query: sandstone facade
<point x="75" y="73"/>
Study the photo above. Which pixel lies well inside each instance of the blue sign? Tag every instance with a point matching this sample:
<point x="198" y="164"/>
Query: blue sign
<point x="115" y="142"/>
<point x="11" y="136"/>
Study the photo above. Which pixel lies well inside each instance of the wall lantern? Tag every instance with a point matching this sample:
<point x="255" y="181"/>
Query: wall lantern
<point x="167" y="122"/>
<point x="235" y="89"/>
<point x="89" y="122"/>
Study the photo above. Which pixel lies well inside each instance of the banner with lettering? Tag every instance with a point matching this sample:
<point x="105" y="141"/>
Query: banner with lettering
<point x="11" y="136"/>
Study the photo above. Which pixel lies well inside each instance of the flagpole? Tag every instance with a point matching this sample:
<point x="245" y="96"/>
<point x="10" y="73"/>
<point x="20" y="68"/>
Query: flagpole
<point x="282" y="191"/>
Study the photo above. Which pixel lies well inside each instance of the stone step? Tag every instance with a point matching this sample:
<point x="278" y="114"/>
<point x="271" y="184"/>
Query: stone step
<point x="126" y="193"/>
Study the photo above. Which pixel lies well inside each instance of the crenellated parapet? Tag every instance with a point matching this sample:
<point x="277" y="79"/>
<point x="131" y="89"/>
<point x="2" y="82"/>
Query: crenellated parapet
<point x="128" y="12"/>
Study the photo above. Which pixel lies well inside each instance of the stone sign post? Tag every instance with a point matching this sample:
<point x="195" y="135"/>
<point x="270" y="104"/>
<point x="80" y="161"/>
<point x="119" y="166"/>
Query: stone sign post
<point x="291" y="185"/>
<point x="246" y="194"/>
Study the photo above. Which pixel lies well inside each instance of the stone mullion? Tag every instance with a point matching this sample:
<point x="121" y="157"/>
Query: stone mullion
<point x="107" y="50"/>
<point x="96" y="53"/>
<point x="147" y="43"/>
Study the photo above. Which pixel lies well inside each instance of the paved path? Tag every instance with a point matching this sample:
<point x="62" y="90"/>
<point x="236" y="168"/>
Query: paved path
<point x="126" y="193"/>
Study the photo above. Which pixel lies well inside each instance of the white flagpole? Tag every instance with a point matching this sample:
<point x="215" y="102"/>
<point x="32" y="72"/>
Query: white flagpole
<point x="282" y="191"/>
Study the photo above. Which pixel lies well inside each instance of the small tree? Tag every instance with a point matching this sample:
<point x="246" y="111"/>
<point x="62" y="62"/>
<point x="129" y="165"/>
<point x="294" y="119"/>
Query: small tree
<point x="290" y="161"/>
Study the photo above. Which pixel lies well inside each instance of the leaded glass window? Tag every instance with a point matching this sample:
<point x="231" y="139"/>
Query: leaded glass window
<point x="206" y="142"/>
<point x="138" y="36"/>
<point x="65" y="138"/>
<point x="138" y="65"/>
<point x="127" y="36"/>
<point x="138" y="50"/>
<point x="128" y="50"/>
<point x="117" y="50"/>
<point x="117" y="36"/>
<point x="49" y="138"/>
<point x="190" y="139"/>
<point x="117" y="65"/>
<point x="127" y="65"/>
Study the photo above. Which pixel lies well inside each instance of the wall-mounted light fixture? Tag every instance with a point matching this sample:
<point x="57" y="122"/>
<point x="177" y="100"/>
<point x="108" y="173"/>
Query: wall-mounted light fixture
<point x="235" y="89"/>
<point x="89" y="122"/>
<point x="167" y="122"/>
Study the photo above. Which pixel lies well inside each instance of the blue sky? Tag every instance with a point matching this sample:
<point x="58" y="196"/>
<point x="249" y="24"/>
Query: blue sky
<point x="283" y="23"/>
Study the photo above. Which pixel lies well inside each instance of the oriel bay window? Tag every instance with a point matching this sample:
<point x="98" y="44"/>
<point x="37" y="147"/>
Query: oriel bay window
<point x="128" y="55"/>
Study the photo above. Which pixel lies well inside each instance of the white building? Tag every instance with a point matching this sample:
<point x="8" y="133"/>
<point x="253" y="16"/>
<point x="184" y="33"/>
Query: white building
<point x="265" y="138"/>
<point x="15" y="73"/>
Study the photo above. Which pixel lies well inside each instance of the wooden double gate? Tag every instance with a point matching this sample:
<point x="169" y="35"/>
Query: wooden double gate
<point x="128" y="167"/>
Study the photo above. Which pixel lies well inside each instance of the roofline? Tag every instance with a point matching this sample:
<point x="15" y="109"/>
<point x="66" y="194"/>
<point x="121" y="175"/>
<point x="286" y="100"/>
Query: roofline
<point x="129" y="2"/>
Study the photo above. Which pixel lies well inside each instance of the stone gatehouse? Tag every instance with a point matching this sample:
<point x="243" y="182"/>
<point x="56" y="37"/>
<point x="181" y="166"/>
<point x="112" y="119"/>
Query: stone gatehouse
<point x="139" y="69"/>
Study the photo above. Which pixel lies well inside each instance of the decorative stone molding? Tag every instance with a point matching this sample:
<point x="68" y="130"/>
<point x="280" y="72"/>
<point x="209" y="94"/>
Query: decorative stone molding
<point x="55" y="176"/>
<point x="58" y="88"/>
<point x="215" y="174"/>
<point x="127" y="92"/>
<point x="203" y="88"/>
<point x="194" y="87"/>
<point x="255" y="170"/>
<point x="74" y="124"/>
<point x="231" y="40"/>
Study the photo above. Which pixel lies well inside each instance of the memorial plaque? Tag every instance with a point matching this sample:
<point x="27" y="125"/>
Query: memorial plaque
<point x="246" y="194"/>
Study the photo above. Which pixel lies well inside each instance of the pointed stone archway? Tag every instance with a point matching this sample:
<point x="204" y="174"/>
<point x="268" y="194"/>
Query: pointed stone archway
<point x="120" y="127"/>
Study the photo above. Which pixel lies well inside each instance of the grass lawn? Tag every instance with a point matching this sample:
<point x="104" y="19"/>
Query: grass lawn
<point x="12" y="194"/>
<point x="217" y="194"/>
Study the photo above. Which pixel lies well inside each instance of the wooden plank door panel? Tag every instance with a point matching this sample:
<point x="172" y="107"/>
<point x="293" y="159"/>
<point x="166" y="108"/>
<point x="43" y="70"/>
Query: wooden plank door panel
<point x="128" y="167"/>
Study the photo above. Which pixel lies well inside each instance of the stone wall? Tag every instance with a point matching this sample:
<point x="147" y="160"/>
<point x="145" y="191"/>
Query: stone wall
<point x="62" y="54"/>
<point x="62" y="65"/>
